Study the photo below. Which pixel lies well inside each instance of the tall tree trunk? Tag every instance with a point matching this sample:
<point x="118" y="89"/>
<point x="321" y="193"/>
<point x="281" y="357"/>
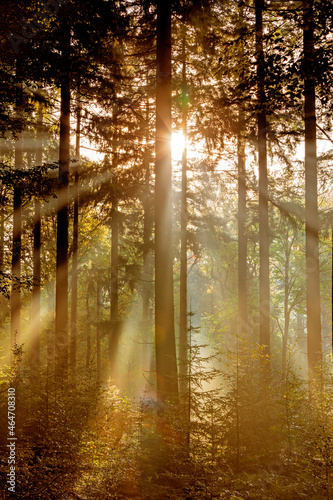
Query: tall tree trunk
<point x="61" y="320"/>
<point x="98" y="333"/>
<point x="146" y="250"/>
<point x="36" y="293"/>
<point x="148" y="265"/>
<point x="114" y="305"/>
<point x="17" y="231"/>
<point x="88" y="341"/>
<point x="314" y="341"/>
<point x="183" y="330"/>
<point x="165" y="345"/>
<point x="16" y="256"/>
<point x="242" y="238"/>
<point x="73" y="338"/>
<point x="243" y="327"/>
<point x="147" y="273"/>
<point x="264" y="333"/>
<point x="301" y="338"/>
<point x="286" y="307"/>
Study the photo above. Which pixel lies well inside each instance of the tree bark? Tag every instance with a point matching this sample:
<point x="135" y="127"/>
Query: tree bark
<point x="314" y="340"/>
<point x="165" y="345"/>
<point x="17" y="252"/>
<point x="98" y="335"/>
<point x="61" y="320"/>
<point x="242" y="238"/>
<point x="286" y="307"/>
<point x="147" y="273"/>
<point x="114" y="305"/>
<point x="264" y="291"/>
<point x="73" y="338"/>
<point x="183" y="330"/>
<point x="36" y="293"/>
<point x="88" y="342"/>
<point x="17" y="231"/>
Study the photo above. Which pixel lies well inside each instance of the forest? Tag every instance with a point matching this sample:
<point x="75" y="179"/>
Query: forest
<point x="166" y="263"/>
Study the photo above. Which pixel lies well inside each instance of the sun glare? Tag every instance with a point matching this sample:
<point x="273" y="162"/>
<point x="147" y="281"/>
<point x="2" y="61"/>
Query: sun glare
<point x="177" y="145"/>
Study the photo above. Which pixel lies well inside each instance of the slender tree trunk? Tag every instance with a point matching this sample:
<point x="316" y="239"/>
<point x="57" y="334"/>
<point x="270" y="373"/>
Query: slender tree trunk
<point x="301" y="337"/>
<point x="88" y="342"/>
<point x="114" y="306"/>
<point x="16" y="256"/>
<point x="238" y="440"/>
<point x="183" y="330"/>
<point x="286" y="310"/>
<point x="314" y="341"/>
<point x="147" y="274"/>
<point x="242" y="238"/>
<point x="287" y="307"/>
<point x="73" y="339"/>
<point x="147" y="266"/>
<point x="114" y="285"/>
<point x="61" y="320"/>
<point x="146" y="251"/>
<point x="36" y="293"/>
<point x="285" y="341"/>
<point x="17" y="233"/>
<point x="165" y="345"/>
<point x="98" y="334"/>
<point x="189" y="377"/>
<point x="264" y="333"/>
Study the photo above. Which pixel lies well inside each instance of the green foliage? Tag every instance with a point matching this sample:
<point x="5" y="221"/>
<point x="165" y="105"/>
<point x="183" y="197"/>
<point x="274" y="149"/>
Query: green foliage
<point x="92" y="441"/>
<point x="35" y="181"/>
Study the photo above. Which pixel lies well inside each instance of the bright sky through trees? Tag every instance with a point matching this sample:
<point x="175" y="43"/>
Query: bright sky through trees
<point x="177" y="145"/>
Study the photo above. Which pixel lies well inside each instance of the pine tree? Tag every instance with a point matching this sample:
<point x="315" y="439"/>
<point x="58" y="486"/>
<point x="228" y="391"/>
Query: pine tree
<point x="242" y="238"/>
<point x="311" y="202"/>
<point x="183" y="333"/>
<point x="36" y="297"/>
<point x="166" y="363"/>
<point x="73" y="337"/>
<point x="17" y="222"/>
<point x="61" y="314"/>
<point x="264" y="306"/>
